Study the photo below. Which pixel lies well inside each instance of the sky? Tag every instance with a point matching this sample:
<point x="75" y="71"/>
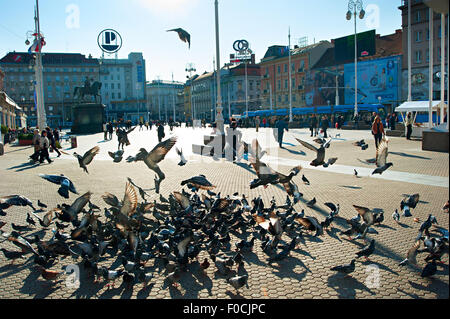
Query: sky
<point x="72" y="26"/>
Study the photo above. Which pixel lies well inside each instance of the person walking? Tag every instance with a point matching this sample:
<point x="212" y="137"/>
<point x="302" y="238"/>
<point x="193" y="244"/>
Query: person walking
<point x="146" y="125"/>
<point x="52" y="141"/>
<point x="141" y="126"/>
<point x="161" y="133"/>
<point x="264" y="121"/>
<point x="313" y="125"/>
<point x="408" y="123"/>
<point x="257" y="122"/>
<point x="37" y="148"/>
<point x="44" y="144"/>
<point x="105" y="131"/>
<point x="377" y="130"/>
<point x="281" y="126"/>
<point x="324" y="126"/>
<point x="110" y="130"/>
<point x="150" y="123"/>
<point x="356" y="119"/>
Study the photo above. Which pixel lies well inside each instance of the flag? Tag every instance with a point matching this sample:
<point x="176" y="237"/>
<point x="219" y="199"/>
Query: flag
<point x="184" y="36"/>
<point x="36" y="47"/>
<point x="17" y="58"/>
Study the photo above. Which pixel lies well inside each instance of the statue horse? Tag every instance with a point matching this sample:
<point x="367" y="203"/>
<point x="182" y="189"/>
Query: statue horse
<point x="93" y="91"/>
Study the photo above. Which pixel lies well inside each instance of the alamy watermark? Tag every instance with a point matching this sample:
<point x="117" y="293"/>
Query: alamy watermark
<point x="73" y="16"/>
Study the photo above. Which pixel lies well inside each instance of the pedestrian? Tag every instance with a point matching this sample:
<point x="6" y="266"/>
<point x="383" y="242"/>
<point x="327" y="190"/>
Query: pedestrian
<point x="393" y="121"/>
<point x="44" y="145"/>
<point x="36" y="143"/>
<point x="56" y="135"/>
<point x="150" y="124"/>
<point x="161" y="133"/>
<point x="264" y="122"/>
<point x="356" y="119"/>
<point x="408" y="123"/>
<point x="257" y="122"/>
<point x="105" y="131"/>
<point x="372" y="118"/>
<point x="377" y="130"/>
<point x="324" y="126"/>
<point x="141" y="126"/>
<point x="281" y="126"/>
<point x="52" y="141"/>
<point x="313" y="125"/>
<point x="146" y="125"/>
<point x="110" y="130"/>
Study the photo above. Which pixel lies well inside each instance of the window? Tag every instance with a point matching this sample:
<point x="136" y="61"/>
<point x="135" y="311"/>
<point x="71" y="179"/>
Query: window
<point x="119" y="95"/>
<point x="267" y="71"/>
<point x="285" y="68"/>
<point x="418" y="36"/>
<point x="293" y="67"/>
<point x="293" y="82"/>
<point x="279" y="85"/>
<point x="106" y="85"/>
<point x="112" y="86"/>
<point x="66" y="78"/>
<point x="286" y="84"/>
<point x="428" y="34"/>
<point x="279" y="69"/>
<point x="113" y="96"/>
<point x="428" y="56"/>
<point x="118" y="77"/>
<point x="418" y="56"/>
<point x="418" y="16"/>
<point x="286" y="98"/>
<point x="57" y="78"/>
<point x="294" y="97"/>
<point x="439" y="32"/>
<point x="118" y="86"/>
<point x="279" y="98"/>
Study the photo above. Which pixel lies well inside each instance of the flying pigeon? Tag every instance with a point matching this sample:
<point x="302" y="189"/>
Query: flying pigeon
<point x="66" y="184"/>
<point x="184" y="36"/>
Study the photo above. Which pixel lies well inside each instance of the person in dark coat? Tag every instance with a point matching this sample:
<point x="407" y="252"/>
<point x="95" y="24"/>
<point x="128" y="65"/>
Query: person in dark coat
<point x="393" y="121"/>
<point x="281" y="126"/>
<point x="161" y="133"/>
<point x="377" y="130"/>
<point x="324" y="125"/>
<point x="52" y="141"/>
<point x="313" y="125"/>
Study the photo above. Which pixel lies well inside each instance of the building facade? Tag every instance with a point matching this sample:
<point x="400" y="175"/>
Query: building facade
<point x="420" y="37"/>
<point x="62" y="72"/>
<point x="275" y="73"/>
<point x="124" y="87"/>
<point x="165" y="100"/>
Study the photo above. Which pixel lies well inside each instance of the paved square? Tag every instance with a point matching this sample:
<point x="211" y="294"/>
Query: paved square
<point x="305" y="273"/>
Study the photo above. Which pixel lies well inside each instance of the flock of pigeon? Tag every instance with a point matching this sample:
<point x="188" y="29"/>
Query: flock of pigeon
<point x="175" y="230"/>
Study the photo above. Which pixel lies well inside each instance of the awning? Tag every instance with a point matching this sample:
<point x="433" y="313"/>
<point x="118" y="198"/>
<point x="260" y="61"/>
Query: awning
<point x="417" y="106"/>
<point x="9" y="101"/>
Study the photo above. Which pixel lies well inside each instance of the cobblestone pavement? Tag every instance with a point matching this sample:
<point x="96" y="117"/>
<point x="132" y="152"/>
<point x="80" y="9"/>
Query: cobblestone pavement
<point x="305" y="274"/>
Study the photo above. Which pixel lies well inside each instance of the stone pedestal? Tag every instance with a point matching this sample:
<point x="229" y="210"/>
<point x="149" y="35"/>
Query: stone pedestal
<point x="88" y="118"/>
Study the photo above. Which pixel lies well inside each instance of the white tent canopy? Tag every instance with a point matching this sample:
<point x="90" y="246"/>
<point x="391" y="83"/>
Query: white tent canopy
<point x="418" y="106"/>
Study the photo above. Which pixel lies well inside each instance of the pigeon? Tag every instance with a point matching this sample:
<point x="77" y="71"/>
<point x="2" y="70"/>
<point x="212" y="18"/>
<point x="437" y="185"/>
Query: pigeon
<point x="311" y="203"/>
<point x="345" y="269"/>
<point x="446" y="207"/>
<point x="366" y="214"/>
<point x="311" y="224"/>
<point x="238" y="281"/>
<point x="410" y="202"/>
<point x="183" y="160"/>
<point x="154" y="157"/>
<point x="142" y="193"/>
<point x="378" y="218"/>
<point x="355" y="172"/>
<point x="305" y="180"/>
<point x="174" y="276"/>
<point x="50" y="275"/>
<point x="66" y="185"/>
<point x="87" y="158"/>
<point x="184" y="35"/>
<point x="381" y="158"/>
<point x="199" y="182"/>
<point x="442" y="231"/>
<point x="41" y="204"/>
<point x="144" y="277"/>
<point x="117" y="156"/>
<point x="426" y="225"/>
<point x="320" y="159"/>
<point x="367" y="250"/>
<point x="15" y="200"/>
<point x="359" y="143"/>
<point x="396" y="216"/>
<point x="30" y="220"/>
<point x="128" y="279"/>
<point x="411" y="255"/>
<point x="108" y="274"/>
<point x="19" y="228"/>
<point x="429" y="270"/>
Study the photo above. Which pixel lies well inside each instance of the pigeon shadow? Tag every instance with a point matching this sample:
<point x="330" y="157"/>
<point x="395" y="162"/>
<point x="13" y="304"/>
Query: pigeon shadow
<point x="39" y="288"/>
<point x="333" y="233"/>
<point x="346" y="286"/>
<point x="385" y="226"/>
<point x="295" y="152"/>
<point x="409" y="155"/>
<point x="436" y="286"/>
<point x="286" y="267"/>
<point x="350" y="187"/>
<point x="145" y="291"/>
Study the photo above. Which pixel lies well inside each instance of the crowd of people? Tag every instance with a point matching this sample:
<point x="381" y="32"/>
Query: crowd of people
<point x="44" y="142"/>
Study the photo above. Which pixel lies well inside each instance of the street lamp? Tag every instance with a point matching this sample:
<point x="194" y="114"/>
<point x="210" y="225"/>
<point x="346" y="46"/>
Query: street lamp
<point x="355" y="7"/>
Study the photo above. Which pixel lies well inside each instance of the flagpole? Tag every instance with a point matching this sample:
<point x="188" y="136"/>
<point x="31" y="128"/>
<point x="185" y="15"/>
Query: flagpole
<point x="290" y="79"/>
<point x="219" y="116"/>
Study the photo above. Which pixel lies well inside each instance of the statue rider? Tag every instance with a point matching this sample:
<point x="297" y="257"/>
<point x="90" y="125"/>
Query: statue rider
<point x="87" y="84"/>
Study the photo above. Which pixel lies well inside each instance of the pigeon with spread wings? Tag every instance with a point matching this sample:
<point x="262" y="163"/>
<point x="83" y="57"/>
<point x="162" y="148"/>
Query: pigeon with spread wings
<point x="184" y="36"/>
<point x="381" y="158"/>
<point x="130" y="200"/>
<point x="122" y="136"/>
<point x="65" y="183"/>
<point x="320" y="158"/>
<point x="87" y="158"/>
<point x="154" y="157"/>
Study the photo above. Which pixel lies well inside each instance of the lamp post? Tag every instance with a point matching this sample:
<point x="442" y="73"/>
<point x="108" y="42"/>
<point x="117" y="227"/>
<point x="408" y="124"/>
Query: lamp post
<point x="290" y="79"/>
<point x="219" y="116"/>
<point x="190" y="68"/>
<point x="353" y="8"/>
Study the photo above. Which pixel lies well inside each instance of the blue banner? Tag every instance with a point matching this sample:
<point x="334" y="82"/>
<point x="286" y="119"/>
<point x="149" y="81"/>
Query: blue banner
<point x="376" y="78"/>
